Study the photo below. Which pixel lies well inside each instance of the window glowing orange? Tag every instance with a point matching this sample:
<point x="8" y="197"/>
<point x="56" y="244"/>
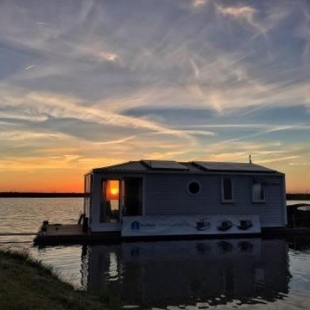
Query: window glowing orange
<point x="112" y="190"/>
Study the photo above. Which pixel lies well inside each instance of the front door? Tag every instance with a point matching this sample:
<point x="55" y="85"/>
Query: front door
<point x="133" y="196"/>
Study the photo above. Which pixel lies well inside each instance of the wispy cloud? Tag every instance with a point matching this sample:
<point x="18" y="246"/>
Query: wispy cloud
<point x="196" y="79"/>
<point x="198" y="3"/>
<point x="244" y="12"/>
<point x="299" y="164"/>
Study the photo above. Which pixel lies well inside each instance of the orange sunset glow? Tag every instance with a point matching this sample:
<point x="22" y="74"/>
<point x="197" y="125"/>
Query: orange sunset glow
<point x="70" y="179"/>
<point x="112" y="190"/>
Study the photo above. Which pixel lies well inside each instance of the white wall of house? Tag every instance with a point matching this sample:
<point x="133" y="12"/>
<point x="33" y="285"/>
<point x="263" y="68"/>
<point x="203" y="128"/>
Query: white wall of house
<point x="168" y="195"/>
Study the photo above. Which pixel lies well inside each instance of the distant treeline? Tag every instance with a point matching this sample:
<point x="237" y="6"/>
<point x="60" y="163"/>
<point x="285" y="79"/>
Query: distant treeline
<point x="39" y="195"/>
<point x="297" y="196"/>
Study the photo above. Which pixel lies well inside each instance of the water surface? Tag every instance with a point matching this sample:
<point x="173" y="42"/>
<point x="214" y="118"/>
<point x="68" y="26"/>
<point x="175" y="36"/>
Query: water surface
<point x="227" y="273"/>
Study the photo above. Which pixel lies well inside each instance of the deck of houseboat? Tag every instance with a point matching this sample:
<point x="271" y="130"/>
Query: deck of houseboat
<point x="73" y="234"/>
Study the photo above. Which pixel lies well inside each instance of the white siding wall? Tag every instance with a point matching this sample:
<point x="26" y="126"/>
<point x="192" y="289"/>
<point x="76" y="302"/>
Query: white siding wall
<point x="167" y="195"/>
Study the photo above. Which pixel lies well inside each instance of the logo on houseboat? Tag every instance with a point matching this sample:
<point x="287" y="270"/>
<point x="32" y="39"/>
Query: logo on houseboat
<point x="135" y="225"/>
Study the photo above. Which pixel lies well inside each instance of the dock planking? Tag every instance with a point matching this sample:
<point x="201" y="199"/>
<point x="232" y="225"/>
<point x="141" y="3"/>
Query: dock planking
<point x="55" y="234"/>
<point x="64" y="230"/>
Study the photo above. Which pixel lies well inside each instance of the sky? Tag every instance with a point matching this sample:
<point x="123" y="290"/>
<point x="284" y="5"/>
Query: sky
<point x="86" y="84"/>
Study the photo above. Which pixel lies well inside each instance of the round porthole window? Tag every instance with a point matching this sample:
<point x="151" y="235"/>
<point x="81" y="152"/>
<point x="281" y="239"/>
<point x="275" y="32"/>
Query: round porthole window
<point x="193" y="187"/>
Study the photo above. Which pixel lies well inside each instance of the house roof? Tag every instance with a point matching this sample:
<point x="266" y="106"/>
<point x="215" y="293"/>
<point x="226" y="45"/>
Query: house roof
<point x="168" y="166"/>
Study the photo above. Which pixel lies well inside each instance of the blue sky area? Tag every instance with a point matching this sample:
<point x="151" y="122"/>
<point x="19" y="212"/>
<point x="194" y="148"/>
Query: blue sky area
<point x="86" y="84"/>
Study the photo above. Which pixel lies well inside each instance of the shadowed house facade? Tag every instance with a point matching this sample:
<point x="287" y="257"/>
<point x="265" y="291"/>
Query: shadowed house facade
<point x="139" y="195"/>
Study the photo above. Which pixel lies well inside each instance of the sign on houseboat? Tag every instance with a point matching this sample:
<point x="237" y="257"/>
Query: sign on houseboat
<point x="190" y="225"/>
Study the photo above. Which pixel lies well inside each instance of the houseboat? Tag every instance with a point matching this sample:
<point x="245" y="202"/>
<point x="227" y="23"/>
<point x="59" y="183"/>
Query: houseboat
<point x="154" y="199"/>
<point x="166" y="198"/>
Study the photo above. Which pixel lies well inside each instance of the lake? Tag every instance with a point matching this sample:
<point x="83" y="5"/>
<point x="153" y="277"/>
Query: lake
<point x="198" y="274"/>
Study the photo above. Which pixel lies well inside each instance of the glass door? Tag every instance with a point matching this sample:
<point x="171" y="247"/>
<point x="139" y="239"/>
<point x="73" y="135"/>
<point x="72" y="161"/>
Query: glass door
<point x="110" y="204"/>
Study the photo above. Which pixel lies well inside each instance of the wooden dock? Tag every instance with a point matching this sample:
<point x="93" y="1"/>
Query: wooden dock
<point x="64" y="230"/>
<point x="53" y="234"/>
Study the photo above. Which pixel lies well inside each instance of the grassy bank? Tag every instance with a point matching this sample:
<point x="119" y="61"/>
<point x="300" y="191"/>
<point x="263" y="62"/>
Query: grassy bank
<point x="26" y="284"/>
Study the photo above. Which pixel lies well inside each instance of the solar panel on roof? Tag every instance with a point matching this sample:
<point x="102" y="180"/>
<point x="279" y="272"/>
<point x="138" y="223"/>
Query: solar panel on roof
<point x="164" y="165"/>
<point x="217" y="166"/>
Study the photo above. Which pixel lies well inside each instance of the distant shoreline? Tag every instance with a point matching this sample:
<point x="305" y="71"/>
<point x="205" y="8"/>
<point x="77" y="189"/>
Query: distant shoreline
<point x="38" y="195"/>
<point x="296" y="196"/>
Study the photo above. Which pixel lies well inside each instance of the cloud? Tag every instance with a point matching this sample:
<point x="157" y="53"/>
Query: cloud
<point x="163" y="79"/>
<point x="112" y="57"/>
<point x="243" y="12"/>
<point x="250" y="15"/>
<point x="40" y="107"/>
<point x="29" y="67"/>
<point x="198" y="3"/>
<point x="173" y="75"/>
<point x="200" y="132"/>
<point x="119" y="141"/>
<point x="299" y="164"/>
<point x="195" y="68"/>
<point x="278" y="159"/>
<point x="19" y="135"/>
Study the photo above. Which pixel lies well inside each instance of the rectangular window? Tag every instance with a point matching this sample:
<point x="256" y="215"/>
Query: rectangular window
<point x="227" y="189"/>
<point x="110" y="201"/>
<point x="258" y="191"/>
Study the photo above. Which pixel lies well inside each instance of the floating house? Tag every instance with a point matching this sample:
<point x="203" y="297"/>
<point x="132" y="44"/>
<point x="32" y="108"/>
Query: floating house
<point x="167" y="198"/>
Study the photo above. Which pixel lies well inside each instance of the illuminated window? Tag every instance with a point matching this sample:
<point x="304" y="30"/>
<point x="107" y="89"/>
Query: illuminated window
<point x="112" y="190"/>
<point x="110" y="201"/>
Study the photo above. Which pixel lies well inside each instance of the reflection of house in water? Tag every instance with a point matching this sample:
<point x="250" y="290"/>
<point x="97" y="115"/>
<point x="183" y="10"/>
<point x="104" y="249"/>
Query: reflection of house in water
<point x="185" y="272"/>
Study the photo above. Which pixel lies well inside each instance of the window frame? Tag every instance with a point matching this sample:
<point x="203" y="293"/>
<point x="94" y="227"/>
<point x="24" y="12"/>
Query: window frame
<point x="262" y="189"/>
<point x="188" y="185"/>
<point x="224" y="200"/>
